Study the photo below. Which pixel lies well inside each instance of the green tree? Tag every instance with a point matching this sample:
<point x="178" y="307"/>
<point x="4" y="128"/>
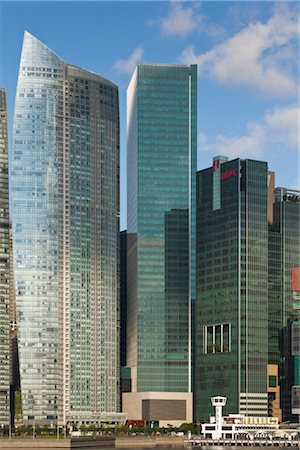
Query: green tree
<point x="185" y="427"/>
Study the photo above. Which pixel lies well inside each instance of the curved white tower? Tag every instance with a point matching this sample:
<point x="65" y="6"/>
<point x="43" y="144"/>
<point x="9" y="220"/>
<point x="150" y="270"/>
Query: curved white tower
<point x="65" y="209"/>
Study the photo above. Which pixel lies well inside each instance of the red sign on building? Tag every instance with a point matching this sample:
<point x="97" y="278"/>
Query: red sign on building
<point x="228" y="174"/>
<point x="295" y="279"/>
<point x="136" y="423"/>
<point x="216" y="165"/>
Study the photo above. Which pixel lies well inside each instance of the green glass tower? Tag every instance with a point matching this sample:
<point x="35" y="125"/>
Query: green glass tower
<point x="284" y="260"/>
<point x="5" y="356"/>
<point x="65" y="215"/>
<point x="295" y="344"/>
<point x="231" y="315"/>
<point x="162" y="152"/>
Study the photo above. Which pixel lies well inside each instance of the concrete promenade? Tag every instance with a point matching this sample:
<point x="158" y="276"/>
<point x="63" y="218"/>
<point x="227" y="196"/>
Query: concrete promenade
<point x="9" y="444"/>
<point x="150" y="442"/>
<point x="90" y="443"/>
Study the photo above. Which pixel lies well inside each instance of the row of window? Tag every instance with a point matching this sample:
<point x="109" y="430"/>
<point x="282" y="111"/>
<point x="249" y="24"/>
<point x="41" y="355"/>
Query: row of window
<point x="217" y="338"/>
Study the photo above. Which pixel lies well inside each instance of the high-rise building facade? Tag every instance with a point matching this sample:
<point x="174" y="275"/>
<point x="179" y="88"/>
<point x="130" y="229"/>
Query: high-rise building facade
<point x="284" y="260"/>
<point x="123" y="295"/>
<point x="65" y="214"/>
<point x="15" y="388"/>
<point x="284" y="242"/>
<point x="231" y="314"/>
<point x="162" y="152"/>
<point x="295" y="344"/>
<point x="5" y="358"/>
<point x="125" y="371"/>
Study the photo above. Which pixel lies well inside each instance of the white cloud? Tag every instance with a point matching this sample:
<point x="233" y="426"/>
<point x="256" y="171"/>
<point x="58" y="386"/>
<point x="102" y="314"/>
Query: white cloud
<point x="128" y="65"/>
<point x="241" y="14"/>
<point x="284" y="123"/>
<point x="279" y="127"/>
<point x="180" y="20"/>
<point x="259" y="56"/>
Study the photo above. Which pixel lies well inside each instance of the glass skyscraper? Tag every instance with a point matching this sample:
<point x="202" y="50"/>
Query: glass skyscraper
<point x="284" y="260"/>
<point x="231" y="314"/>
<point x="123" y="294"/>
<point x="5" y="357"/>
<point x="65" y="215"/>
<point x="162" y="152"/>
<point x="284" y="242"/>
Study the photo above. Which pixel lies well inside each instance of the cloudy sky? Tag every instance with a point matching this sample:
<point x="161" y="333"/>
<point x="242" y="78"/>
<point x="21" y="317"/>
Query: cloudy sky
<point x="247" y="55"/>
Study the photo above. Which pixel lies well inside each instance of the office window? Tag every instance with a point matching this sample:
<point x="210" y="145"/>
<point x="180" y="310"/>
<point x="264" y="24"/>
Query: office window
<point x="272" y="381"/>
<point x="216" y="338"/>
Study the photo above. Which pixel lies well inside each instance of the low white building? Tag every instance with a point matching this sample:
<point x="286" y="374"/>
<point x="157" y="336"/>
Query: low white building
<point x="236" y="425"/>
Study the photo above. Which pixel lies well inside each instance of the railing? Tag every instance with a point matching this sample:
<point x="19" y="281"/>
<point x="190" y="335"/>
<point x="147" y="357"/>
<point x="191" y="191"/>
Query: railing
<point x="200" y="441"/>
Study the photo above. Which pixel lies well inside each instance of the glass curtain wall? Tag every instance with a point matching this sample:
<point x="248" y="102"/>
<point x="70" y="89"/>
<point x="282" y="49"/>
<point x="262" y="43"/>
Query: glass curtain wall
<point x="65" y="213"/>
<point x="231" y="307"/>
<point x="162" y="147"/>
<point x="5" y="355"/>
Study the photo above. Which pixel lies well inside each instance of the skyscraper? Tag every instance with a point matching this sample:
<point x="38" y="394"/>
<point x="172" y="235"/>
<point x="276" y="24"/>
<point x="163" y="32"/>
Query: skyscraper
<point x="65" y="214"/>
<point x="284" y="260"/>
<point x="5" y="359"/>
<point x="123" y="295"/>
<point x="231" y="319"/>
<point x="125" y="371"/>
<point x="285" y="230"/>
<point x="295" y="338"/>
<point x="162" y="152"/>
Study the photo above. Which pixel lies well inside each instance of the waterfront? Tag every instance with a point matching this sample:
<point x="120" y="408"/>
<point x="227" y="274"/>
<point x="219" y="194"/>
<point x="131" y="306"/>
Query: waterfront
<point x="129" y="444"/>
<point x="142" y="447"/>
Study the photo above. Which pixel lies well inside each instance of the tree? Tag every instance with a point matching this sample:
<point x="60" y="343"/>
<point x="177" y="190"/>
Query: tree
<point x="188" y="427"/>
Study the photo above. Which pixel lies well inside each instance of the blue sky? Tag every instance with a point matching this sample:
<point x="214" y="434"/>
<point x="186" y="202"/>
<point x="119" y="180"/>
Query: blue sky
<point x="247" y="55"/>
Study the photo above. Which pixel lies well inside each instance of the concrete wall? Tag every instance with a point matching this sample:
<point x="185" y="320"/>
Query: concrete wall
<point x="172" y="408"/>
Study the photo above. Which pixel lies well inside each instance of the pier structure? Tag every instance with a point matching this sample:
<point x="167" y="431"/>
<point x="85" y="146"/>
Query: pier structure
<point x="203" y="442"/>
<point x="237" y="426"/>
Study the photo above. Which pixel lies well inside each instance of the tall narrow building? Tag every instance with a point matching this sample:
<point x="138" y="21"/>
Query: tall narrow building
<point x="65" y="215"/>
<point x="295" y="344"/>
<point x="5" y="357"/>
<point x="162" y="152"/>
<point x="123" y="295"/>
<point x="284" y="261"/>
<point x="231" y="319"/>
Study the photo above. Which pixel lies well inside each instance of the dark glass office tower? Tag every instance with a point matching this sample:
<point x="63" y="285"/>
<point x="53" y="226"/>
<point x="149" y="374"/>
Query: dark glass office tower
<point x="284" y="260"/>
<point x="123" y="295"/>
<point x="65" y="214"/>
<point x="125" y="371"/>
<point x="5" y="357"/>
<point x="286" y="224"/>
<point x="231" y="318"/>
<point x="162" y="151"/>
<point x="295" y="344"/>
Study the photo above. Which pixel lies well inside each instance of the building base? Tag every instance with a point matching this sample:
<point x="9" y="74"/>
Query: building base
<point x="161" y="408"/>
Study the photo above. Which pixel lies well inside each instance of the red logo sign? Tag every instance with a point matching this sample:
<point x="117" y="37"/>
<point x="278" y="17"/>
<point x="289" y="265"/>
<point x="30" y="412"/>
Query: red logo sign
<point x="216" y="164"/>
<point x="296" y="279"/>
<point x="228" y="174"/>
